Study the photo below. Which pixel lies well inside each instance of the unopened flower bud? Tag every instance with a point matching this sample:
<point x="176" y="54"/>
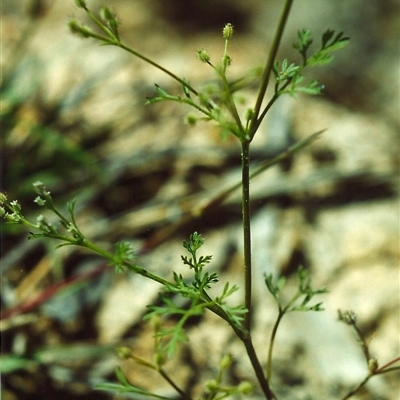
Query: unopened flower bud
<point x="80" y="3"/>
<point x="16" y="207"/>
<point x="106" y="14"/>
<point x="249" y="114"/>
<point x="226" y="60"/>
<point x="225" y="362"/>
<point x="124" y="352"/>
<point x="42" y="191"/>
<point x="203" y="56"/>
<point x="227" y="31"/>
<point x="14" y="218"/>
<point x="245" y="388"/>
<point x="109" y="17"/>
<point x="212" y="385"/>
<point x="348" y="317"/>
<point x="39" y="201"/>
<point x="79" y="29"/>
<point x="3" y="198"/>
<point x="372" y="364"/>
<point x="204" y="98"/>
<point x="191" y="119"/>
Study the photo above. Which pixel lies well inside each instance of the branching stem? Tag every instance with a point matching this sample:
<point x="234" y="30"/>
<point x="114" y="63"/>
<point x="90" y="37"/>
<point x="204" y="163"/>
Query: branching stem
<point x="269" y="394"/>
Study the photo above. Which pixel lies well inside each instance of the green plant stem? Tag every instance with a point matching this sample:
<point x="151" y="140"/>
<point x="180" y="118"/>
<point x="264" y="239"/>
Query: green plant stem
<point x="246" y="231"/>
<point x="263" y="381"/>
<point x="104" y="28"/>
<point x="363" y="343"/>
<point x="231" y="104"/>
<point x="354" y="391"/>
<point x="115" y="41"/>
<point x="173" y="384"/>
<point x="275" y="97"/>
<point x="385" y="368"/>
<point x="268" y="369"/>
<point x="245" y="337"/>
<point x="382" y="370"/>
<point x="282" y="312"/>
<point x="162" y="373"/>
<point x="154" y="64"/>
<point x="132" y="267"/>
<point x="254" y="128"/>
<point x="255" y="122"/>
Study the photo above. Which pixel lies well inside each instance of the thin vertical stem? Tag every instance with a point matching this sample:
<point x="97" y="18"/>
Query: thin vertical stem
<point x="269" y="394"/>
<point x="246" y="230"/>
<point x="269" y="65"/>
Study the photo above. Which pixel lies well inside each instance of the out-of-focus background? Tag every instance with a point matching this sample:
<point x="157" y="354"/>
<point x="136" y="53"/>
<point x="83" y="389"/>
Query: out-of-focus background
<point x="73" y="117"/>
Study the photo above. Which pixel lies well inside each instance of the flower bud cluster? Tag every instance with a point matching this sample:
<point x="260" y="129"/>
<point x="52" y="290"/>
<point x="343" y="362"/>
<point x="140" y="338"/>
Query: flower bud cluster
<point x="348" y="317"/>
<point x="79" y="29"/>
<point x="15" y="216"/>
<point x="110" y="18"/>
<point x="45" y="225"/>
<point x="81" y="3"/>
<point x="44" y="198"/>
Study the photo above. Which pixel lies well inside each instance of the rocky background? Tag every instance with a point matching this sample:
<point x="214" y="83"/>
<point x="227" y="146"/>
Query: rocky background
<point x="73" y="116"/>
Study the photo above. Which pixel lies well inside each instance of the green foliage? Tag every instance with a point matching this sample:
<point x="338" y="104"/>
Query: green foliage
<point x="301" y="299"/>
<point x="298" y="302"/>
<point x="330" y="43"/>
<point x="196" y="292"/>
<point x="289" y="78"/>
<point x="201" y="281"/>
<point x="123" y="252"/>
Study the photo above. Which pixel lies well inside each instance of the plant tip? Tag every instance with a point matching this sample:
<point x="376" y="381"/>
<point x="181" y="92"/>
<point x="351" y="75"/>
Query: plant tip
<point x="227" y="31"/>
<point x="225" y="362"/>
<point x="373" y="365"/>
<point x="39" y="201"/>
<point x="212" y="385"/>
<point x="124" y="352"/>
<point x="245" y="388"/>
<point x="81" y="3"/>
<point x="203" y="56"/>
<point x="78" y="29"/>
<point x="226" y="60"/>
<point x="191" y="119"/>
<point x="348" y="317"/>
<point x="3" y="198"/>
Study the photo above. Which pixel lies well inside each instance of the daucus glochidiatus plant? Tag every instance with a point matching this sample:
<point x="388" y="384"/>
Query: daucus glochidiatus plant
<point x="220" y="107"/>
